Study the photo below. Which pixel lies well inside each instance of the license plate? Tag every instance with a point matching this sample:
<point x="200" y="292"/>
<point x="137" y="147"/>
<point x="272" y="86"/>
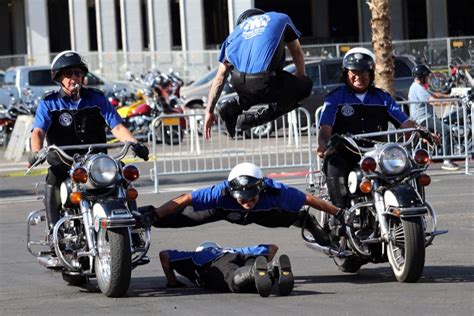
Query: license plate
<point x="170" y="121"/>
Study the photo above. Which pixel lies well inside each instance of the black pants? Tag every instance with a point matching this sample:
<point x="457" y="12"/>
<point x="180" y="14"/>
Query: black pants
<point x="57" y="174"/>
<point x="281" y="90"/>
<point x="337" y="167"/>
<point x="217" y="275"/>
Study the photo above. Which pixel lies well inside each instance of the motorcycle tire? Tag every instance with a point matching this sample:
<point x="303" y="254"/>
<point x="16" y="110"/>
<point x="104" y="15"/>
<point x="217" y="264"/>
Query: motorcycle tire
<point x="113" y="264"/>
<point x="74" y="280"/>
<point x="350" y="264"/>
<point x="406" y="248"/>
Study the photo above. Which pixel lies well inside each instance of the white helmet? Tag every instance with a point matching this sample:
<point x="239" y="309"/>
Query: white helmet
<point x="359" y="58"/>
<point x="208" y="244"/>
<point x="245" y="181"/>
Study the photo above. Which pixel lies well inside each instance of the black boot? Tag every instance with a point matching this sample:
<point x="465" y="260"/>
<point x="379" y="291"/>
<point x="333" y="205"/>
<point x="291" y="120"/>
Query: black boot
<point x="272" y="112"/>
<point x="263" y="279"/>
<point x="52" y="204"/>
<point x="284" y="276"/>
<point x="310" y="224"/>
<point x="229" y="111"/>
<point x="338" y="191"/>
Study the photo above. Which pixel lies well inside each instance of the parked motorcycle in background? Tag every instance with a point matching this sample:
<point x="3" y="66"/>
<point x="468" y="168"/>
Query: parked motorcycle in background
<point x="97" y="235"/>
<point x="389" y="218"/>
<point x="153" y="101"/>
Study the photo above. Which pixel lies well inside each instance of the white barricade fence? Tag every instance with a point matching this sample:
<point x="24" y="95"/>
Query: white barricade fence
<point x="179" y="145"/>
<point x="451" y="120"/>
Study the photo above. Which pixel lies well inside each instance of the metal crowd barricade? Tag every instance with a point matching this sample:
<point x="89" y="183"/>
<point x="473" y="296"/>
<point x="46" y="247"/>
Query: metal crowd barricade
<point x="289" y="145"/>
<point x="455" y="129"/>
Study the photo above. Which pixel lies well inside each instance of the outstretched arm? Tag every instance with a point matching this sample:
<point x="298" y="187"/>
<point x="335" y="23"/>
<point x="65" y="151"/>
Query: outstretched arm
<point x="174" y="205"/>
<point x="214" y="94"/>
<point x="298" y="57"/>
<point x="320" y="204"/>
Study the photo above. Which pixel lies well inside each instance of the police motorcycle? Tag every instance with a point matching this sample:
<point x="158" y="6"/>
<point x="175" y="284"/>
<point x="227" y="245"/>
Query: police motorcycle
<point x="389" y="218"/>
<point x="97" y="234"/>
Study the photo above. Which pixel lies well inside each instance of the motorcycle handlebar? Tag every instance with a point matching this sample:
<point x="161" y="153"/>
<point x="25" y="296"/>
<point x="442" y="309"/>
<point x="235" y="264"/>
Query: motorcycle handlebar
<point x="43" y="153"/>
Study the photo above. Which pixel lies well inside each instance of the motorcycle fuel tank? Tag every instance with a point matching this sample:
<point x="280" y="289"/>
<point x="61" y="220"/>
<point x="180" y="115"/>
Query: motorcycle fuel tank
<point x="142" y="109"/>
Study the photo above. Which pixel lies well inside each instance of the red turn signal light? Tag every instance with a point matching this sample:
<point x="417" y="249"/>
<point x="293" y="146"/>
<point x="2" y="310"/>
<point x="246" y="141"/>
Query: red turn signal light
<point x="422" y="157"/>
<point x="75" y="197"/>
<point x="79" y="175"/>
<point x="365" y="186"/>
<point x="130" y="172"/>
<point x="368" y="164"/>
<point x="132" y="194"/>
<point x="424" y="180"/>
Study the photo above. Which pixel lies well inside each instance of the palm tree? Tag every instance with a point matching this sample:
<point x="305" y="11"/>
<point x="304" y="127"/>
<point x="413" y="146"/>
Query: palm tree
<point x="382" y="44"/>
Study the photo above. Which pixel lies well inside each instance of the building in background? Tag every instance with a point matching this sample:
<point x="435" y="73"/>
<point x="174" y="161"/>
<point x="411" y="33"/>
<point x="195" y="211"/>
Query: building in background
<point x="40" y="28"/>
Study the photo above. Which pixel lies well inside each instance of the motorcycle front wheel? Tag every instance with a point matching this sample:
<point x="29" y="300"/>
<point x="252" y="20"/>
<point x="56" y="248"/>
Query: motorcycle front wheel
<point x="113" y="264"/>
<point x="406" y="248"/>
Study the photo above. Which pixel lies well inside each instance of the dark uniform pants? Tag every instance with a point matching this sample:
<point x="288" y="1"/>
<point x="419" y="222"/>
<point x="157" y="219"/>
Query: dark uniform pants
<point x="280" y="89"/>
<point x="217" y="275"/>
<point x="337" y="167"/>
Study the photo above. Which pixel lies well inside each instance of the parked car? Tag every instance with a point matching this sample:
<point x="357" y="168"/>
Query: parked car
<point x="38" y="80"/>
<point x="326" y="75"/>
<point x="194" y="95"/>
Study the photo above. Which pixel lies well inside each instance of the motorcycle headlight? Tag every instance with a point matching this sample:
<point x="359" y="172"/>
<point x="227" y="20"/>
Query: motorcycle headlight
<point x="103" y="170"/>
<point x="393" y="159"/>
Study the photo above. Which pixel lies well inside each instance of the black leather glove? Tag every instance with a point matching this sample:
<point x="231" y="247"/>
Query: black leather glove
<point x="32" y="158"/>
<point x="141" y="151"/>
<point x="146" y="216"/>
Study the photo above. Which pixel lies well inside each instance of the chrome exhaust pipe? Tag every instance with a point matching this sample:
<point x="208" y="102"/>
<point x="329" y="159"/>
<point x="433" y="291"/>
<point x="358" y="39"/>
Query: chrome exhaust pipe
<point x="328" y="251"/>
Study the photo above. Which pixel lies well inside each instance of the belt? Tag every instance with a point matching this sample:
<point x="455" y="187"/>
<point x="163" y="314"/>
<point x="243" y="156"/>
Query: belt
<point x="260" y="75"/>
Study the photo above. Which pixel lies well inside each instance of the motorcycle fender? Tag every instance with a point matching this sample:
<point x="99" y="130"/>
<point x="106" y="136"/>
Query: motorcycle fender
<point x="108" y="213"/>
<point x="405" y="200"/>
<point x="402" y="196"/>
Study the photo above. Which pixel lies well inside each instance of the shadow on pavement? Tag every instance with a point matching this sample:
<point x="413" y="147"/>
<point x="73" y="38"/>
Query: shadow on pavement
<point x="431" y="274"/>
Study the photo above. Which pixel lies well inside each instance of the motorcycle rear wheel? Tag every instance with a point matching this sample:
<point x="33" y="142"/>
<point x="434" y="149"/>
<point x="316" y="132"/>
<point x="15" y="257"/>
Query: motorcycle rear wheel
<point x="113" y="264"/>
<point x="406" y="248"/>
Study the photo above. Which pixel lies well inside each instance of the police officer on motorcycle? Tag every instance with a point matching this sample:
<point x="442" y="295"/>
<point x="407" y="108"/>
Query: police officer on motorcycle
<point x="356" y="107"/>
<point x="254" y="54"/>
<point x="74" y="115"/>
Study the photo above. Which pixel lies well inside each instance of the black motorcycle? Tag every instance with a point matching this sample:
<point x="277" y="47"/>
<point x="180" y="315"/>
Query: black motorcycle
<point x="97" y="234"/>
<point x="389" y="218"/>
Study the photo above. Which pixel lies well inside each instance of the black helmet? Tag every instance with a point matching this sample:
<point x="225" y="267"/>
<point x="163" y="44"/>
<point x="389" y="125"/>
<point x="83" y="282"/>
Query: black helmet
<point x="420" y="71"/>
<point x="359" y="58"/>
<point x="67" y="59"/>
<point x="248" y="13"/>
<point x="245" y="181"/>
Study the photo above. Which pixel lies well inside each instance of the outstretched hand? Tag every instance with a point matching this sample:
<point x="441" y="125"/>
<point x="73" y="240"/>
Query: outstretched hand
<point x="209" y="120"/>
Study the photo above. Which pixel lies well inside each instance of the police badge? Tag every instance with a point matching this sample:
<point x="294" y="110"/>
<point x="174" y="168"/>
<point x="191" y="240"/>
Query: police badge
<point x="65" y="119"/>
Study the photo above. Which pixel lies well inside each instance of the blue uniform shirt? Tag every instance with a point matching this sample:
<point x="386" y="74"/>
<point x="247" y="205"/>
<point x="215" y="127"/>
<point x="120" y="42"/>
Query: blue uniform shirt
<point x="251" y="46"/>
<point x="347" y="114"/>
<point x="277" y="196"/>
<point x="206" y="255"/>
<point x="90" y="98"/>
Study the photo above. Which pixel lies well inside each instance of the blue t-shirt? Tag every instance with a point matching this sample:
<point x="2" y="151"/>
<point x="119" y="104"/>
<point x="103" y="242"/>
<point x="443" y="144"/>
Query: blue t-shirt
<point x="419" y="111"/>
<point x="90" y="98"/>
<point x="206" y="255"/>
<point x="251" y="46"/>
<point x="276" y="196"/>
<point x="347" y="114"/>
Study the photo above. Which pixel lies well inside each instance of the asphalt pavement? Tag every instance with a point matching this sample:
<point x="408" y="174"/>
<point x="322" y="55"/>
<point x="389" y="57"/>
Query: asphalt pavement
<point x="446" y="287"/>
